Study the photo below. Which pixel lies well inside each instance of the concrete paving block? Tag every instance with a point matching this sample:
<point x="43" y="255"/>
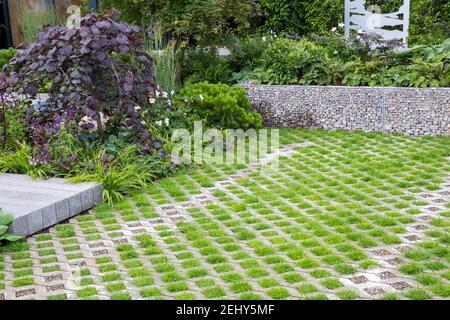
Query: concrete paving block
<point x="24" y="199"/>
<point x="39" y="204"/>
<point x="20" y="226"/>
<point x="35" y="221"/>
<point x="98" y="194"/>
<point x="49" y="217"/>
<point x="87" y="200"/>
<point x="17" y="209"/>
<point x="36" y="188"/>
<point x="56" y="181"/>
<point x="64" y="185"/>
<point x="62" y="210"/>
<point x="55" y="184"/>
<point x="75" y="205"/>
<point x="11" y="178"/>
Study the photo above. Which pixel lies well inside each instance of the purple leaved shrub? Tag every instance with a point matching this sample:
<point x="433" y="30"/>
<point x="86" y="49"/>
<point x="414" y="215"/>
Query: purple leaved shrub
<point x="99" y="78"/>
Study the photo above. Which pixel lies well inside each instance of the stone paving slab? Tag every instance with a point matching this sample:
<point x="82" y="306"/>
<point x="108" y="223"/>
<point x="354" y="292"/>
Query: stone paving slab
<point x="40" y="204"/>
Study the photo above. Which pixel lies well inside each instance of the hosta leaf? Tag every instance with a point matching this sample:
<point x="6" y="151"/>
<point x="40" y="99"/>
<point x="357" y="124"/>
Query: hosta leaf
<point x="3" y="230"/>
<point x="6" y="219"/>
<point x="10" y="237"/>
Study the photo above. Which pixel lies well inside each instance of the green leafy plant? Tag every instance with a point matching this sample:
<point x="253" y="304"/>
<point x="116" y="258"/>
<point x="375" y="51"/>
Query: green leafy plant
<point x="255" y="76"/>
<point x="166" y="68"/>
<point x="364" y="73"/>
<point x="329" y="71"/>
<point x="246" y="51"/>
<point x="190" y="20"/>
<point x="318" y="62"/>
<point x="287" y="61"/>
<point x="433" y="72"/>
<point x="20" y="161"/>
<point x="120" y="174"/>
<point x="336" y="46"/>
<point x="221" y="105"/>
<point x="6" y="55"/>
<point x="204" y="64"/>
<point x="165" y="58"/>
<point x="13" y="126"/>
<point x="5" y="222"/>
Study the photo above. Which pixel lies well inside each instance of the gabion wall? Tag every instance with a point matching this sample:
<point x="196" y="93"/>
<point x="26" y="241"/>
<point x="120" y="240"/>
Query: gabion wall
<point x="406" y="110"/>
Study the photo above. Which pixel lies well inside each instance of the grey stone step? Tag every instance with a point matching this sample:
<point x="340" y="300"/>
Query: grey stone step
<point x="52" y="183"/>
<point x="40" y="204"/>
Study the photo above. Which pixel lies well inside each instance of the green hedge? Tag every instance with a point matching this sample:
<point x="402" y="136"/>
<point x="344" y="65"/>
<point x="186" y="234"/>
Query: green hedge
<point x="205" y="19"/>
<point x="188" y="20"/>
<point x="429" y="22"/>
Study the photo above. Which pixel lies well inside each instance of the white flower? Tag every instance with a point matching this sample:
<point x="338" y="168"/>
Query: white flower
<point x="152" y="100"/>
<point x="201" y="97"/>
<point x="172" y="93"/>
<point x="157" y="93"/>
<point x="164" y="94"/>
<point x="334" y="29"/>
<point x="159" y="123"/>
<point x="264" y="39"/>
<point x="166" y="121"/>
<point x="137" y="108"/>
<point x="360" y="31"/>
<point x="341" y="25"/>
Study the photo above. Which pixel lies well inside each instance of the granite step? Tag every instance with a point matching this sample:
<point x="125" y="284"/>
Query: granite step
<point x="40" y="204"/>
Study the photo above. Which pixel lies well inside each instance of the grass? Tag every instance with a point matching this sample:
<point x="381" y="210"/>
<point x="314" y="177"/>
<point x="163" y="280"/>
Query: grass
<point x="32" y="21"/>
<point x="86" y="292"/>
<point x="143" y="282"/>
<point x="214" y="292"/>
<point x="150" y="292"/>
<point x="347" y="294"/>
<point x="293" y="233"/>
<point x="58" y="297"/>
<point x="21" y="282"/>
<point x="278" y="293"/>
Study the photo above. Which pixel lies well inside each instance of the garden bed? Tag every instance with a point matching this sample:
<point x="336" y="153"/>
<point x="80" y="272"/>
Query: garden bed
<point x="411" y="111"/>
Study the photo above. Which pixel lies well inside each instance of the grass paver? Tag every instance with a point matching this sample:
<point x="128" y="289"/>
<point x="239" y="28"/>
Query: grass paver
<point x="344" y="216"/>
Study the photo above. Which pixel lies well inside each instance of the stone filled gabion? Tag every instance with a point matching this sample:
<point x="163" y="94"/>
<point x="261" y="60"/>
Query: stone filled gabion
<point x="411" y="111"/>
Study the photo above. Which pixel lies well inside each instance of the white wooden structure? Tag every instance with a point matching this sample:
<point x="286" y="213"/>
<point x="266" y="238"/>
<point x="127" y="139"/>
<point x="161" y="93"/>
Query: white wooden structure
<point x="391" y="26"/>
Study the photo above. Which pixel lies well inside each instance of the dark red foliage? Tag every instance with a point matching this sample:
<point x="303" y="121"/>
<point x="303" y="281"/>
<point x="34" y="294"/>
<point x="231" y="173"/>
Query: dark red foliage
<point x="98" y="68"/>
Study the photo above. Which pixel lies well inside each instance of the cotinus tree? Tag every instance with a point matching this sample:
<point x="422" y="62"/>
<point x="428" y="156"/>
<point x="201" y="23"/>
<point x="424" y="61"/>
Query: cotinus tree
<point x="98" y="77"/>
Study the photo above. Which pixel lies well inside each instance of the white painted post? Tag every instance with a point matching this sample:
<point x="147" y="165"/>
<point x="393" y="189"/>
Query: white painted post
<point x="357" y="16"/>
<point x="347" y="18"/>
<point x="406" y="6"/>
